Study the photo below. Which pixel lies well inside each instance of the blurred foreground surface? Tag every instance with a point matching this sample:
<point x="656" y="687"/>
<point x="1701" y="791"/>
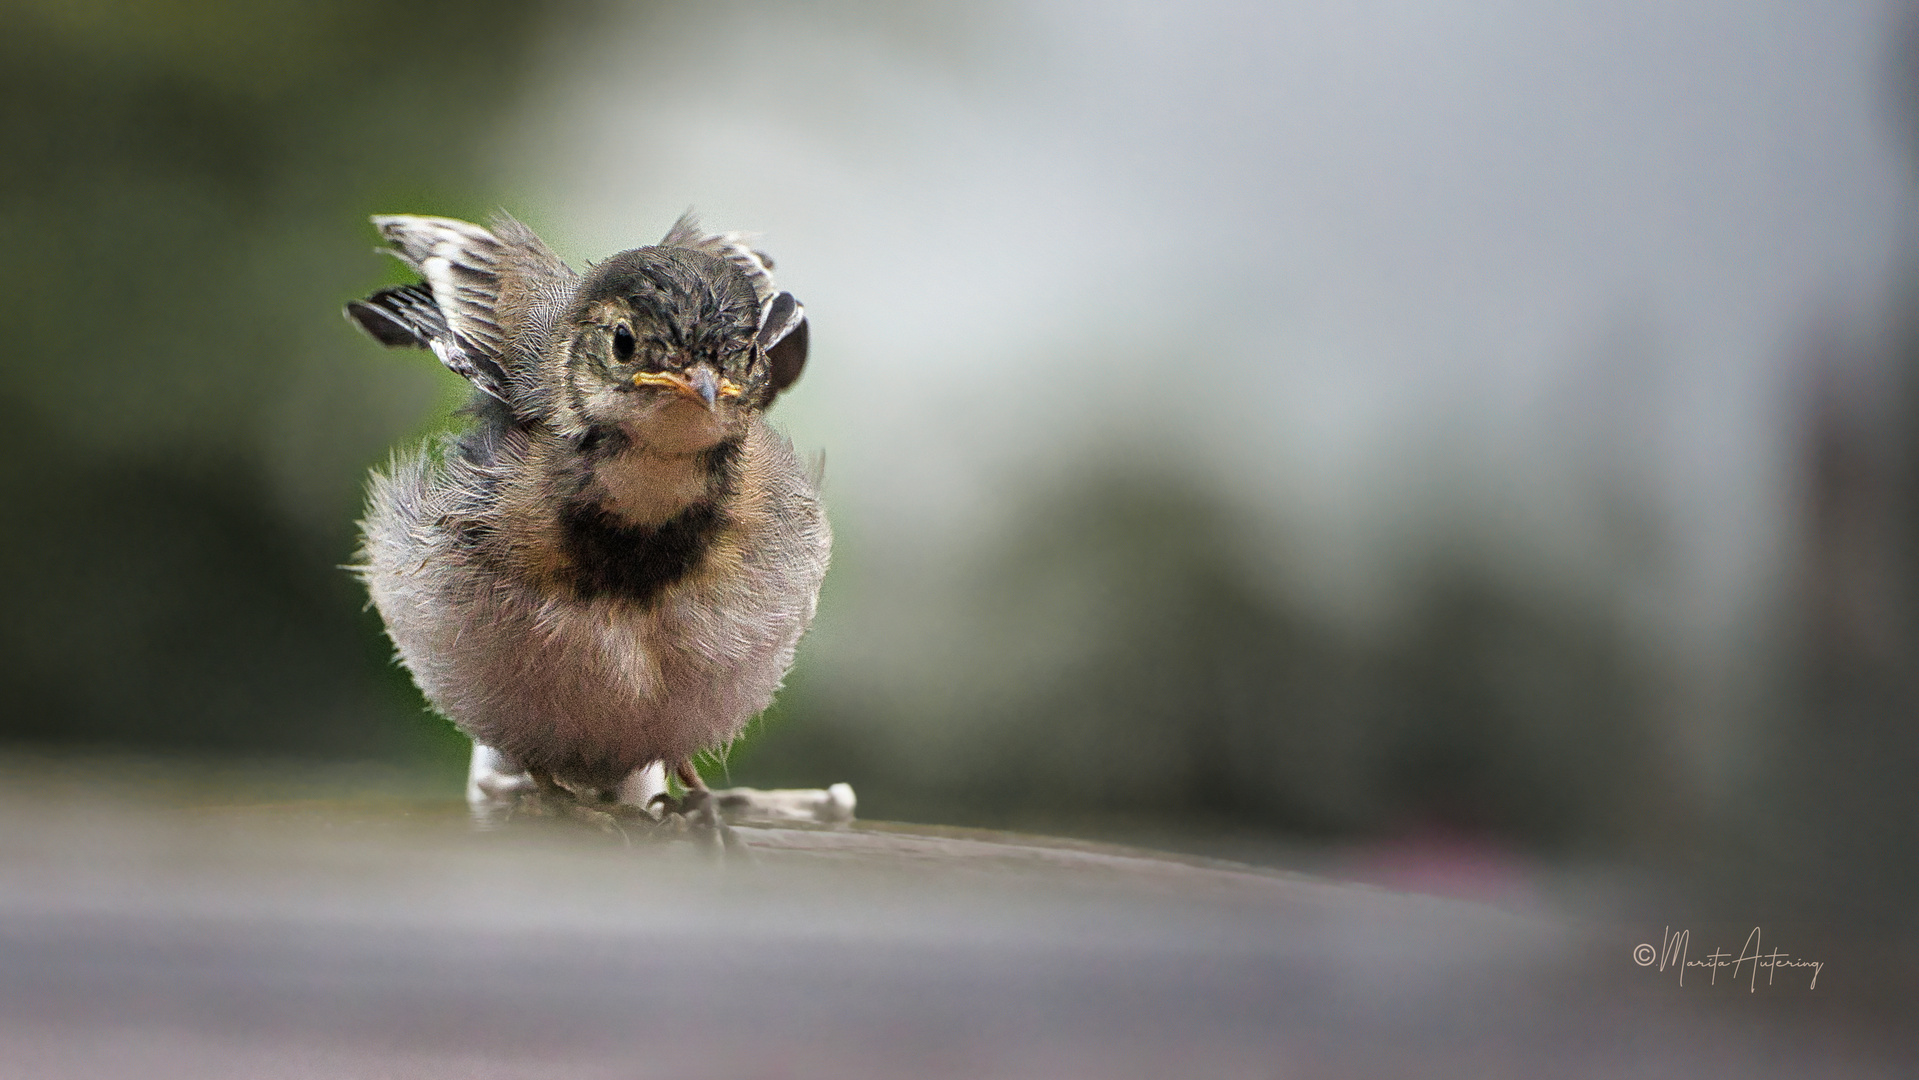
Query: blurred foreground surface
<point x="386" y="937"/>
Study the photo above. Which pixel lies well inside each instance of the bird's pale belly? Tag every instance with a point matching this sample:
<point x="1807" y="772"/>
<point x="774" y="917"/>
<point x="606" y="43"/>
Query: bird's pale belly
<point x="590" y="691"/>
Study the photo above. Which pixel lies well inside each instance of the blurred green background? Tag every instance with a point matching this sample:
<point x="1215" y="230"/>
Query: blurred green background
<point x="185" y="210"/>
<point x="1121" y="641"/>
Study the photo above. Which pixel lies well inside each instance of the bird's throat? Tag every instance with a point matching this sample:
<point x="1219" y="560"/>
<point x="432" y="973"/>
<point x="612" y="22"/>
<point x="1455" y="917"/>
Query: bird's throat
<point x="637" y="485"/>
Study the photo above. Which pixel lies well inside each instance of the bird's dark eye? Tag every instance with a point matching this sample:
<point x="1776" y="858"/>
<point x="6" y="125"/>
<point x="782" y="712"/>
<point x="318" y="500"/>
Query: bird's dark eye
<point x="623" y="344"/>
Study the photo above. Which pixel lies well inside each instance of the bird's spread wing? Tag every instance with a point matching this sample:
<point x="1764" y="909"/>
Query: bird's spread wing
<point x="408" y="317"/>
<point x="486" y="305"/>
<point x="783" y="332"/>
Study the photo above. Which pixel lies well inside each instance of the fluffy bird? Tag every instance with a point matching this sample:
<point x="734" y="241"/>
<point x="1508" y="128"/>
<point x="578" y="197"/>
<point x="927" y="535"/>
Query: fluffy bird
<point x="608" y="571"/>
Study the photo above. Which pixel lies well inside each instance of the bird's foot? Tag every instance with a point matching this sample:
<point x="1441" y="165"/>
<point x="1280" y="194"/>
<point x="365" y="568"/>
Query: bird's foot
<point x="690" y="818"/>
<point x="535" y="796"/>
<point x="694" y="814"/>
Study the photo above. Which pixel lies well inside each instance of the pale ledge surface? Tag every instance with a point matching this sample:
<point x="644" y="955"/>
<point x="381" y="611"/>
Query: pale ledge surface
<point x="370" y="938"/>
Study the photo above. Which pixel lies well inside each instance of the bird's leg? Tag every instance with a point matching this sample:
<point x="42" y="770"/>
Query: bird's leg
<point x="492" y="776"/>
<point x="688" y="776"/>
<point x="695" y="808"/>
<point x="642" y="786"/>
<point x="694" y="794"/>
<point x="495" y="784"/>
<point x="497" y="788"/>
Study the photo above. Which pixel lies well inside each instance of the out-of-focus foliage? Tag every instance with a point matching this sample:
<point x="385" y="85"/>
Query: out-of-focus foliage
<point x="183" y="201"/>
<point x="1127" y="662"/>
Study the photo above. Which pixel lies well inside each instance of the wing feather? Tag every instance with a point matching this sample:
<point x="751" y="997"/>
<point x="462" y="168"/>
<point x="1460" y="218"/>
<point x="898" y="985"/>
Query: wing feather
<point x="782" y="319"/>
<point x="489" y="300"/>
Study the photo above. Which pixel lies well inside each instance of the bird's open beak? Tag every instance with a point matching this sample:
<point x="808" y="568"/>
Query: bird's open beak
<point x="701" y="383"/>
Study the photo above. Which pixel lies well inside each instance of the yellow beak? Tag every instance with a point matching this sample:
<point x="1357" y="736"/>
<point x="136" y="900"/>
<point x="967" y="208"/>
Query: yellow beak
<point x="704" y="386"/>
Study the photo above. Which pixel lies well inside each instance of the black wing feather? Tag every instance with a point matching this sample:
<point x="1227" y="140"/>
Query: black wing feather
<point x="406" y="316"/>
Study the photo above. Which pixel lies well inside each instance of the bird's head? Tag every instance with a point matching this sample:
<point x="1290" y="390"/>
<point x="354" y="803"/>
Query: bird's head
<point x="671" y="346"/>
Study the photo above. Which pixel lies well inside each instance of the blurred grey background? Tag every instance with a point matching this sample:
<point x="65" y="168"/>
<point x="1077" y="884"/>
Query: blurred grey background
<point x="1484" y="429"/>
